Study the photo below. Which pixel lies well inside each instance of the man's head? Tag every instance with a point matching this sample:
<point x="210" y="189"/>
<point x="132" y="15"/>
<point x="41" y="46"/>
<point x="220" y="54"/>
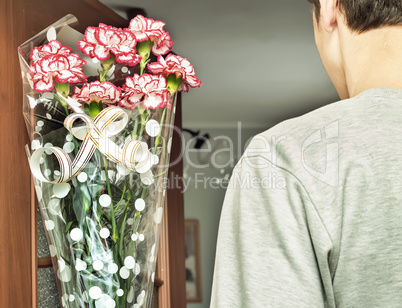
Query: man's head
<point x="341" y="24"/>
<point x="364" y="15"/>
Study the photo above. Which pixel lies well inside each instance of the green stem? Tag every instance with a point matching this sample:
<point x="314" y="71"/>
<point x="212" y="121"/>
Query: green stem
<point x="122" y="196"/>
<point x="157" y="140"/>
<point x="114" y="235"/>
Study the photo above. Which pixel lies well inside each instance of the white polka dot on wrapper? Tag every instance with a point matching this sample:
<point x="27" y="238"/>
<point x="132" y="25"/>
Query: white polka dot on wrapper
<point x="82" y="177"/>
<point x="129" y="262"/>
<point x="152" y="128"/>
<point x="124" y="272"/>
<point x="140" y="298"/>
<point x="40" y="123"/>
<point x="51" y="34"/>
<point x="154" y="159"/>
<point x="52" y="250"/>
<point x="61" y="190"/>
<point x="141" y="237"/>
<point x="64" y="275"/>
<point x="97" y="265"/>
<point x="105" y="301"/>
<point x="47" y="172"/>
<point x="76" y="234"/>
<point x="49" y="116"/>
<point x="68" y="147"/>
<point x="158" y="215"/>
<point x="130" y="221"/>
<point x="130" y="295"/>
<point x="137" y="269"/>
<point x="62" y="264"/>
<point x="48" y="145"/>
<point x="105" y="200"/>
<point x="69" y="137"/>
<point x="169" y="145"/>
<point x="35" y="144"/>
<point x="140" y="204"/>
<point x="124" y="69"/>
<point x="153" y="277"/>
<point x="134" y="237"/>
<point x="71" y="298"/>
<point x="104" y="233"/>
<point x="80" y="265"/>
<point x="112" y="268"/>
<point x="49" y="224"/>
<point x="95" y="292"/>
<point x="119" y="292"/>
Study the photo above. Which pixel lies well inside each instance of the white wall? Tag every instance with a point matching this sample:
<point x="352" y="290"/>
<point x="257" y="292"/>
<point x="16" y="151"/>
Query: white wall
<point x="204" y="203"/>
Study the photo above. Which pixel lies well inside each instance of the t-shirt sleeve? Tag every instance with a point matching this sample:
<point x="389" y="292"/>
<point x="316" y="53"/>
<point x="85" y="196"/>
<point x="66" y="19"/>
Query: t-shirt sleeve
<point x="265" y="254"/>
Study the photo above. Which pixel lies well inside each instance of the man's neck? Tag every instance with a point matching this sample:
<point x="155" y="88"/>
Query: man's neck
<point x="373" y="60"/>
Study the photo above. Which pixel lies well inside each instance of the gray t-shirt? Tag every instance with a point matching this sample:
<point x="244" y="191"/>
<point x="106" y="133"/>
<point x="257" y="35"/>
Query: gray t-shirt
<point x="313" y="213"/>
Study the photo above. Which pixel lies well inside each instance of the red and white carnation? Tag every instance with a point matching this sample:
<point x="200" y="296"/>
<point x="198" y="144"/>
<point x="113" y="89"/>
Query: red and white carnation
<point x="149" y="89"/>
<point x="105" y="92"/>
<point x="56" y="68"/>
<point x="149" y="29"/>
<point x="53" y="48"/>
<point x="100" y="42"/>
<point x="179" y="66"/>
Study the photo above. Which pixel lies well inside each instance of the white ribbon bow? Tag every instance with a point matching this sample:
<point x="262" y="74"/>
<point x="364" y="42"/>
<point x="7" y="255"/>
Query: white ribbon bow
<point x="134" y="155"/>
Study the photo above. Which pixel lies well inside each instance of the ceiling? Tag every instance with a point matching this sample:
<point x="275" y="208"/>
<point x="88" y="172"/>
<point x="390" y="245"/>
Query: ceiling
<point x="257" y="59"/>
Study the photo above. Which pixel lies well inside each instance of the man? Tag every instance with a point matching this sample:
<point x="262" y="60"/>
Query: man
<point x="313" y="213"/>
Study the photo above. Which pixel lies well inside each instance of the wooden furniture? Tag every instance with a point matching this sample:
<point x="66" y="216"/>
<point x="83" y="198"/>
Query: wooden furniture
<point x="20" y="20"/>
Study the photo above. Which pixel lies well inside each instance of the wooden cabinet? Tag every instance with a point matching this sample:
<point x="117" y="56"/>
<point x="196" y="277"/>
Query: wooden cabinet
<point x="20" y="20"/>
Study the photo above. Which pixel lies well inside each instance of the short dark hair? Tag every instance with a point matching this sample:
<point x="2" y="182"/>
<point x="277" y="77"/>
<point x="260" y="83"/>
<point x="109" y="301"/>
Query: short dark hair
<point x="365" y="15"/>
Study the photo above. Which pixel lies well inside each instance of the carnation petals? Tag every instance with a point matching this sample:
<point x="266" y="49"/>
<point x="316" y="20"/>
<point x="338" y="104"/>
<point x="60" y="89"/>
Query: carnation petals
<point x="149" y="88"/>
<point x="105" y="91"/>
<point x="55" y="61"/>
<point x="174" y="64"/>
<point x="149" y="29"/>
<point x="100" y="42"/>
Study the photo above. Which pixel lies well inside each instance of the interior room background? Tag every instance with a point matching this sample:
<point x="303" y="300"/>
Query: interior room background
<point x="259" y="66"/>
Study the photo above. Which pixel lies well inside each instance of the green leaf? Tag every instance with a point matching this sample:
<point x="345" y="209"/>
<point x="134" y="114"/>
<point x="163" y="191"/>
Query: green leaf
<point x="69" y="226"/>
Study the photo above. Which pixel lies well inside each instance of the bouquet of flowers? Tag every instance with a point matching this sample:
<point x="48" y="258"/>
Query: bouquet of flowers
<point x="100" y="134"/>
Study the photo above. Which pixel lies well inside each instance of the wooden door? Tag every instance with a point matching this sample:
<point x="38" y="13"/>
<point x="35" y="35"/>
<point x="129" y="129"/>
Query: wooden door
<point x="20" y="20"/>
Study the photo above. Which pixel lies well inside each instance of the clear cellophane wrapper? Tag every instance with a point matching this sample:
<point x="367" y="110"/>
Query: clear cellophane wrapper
<point x="103" y="224"/>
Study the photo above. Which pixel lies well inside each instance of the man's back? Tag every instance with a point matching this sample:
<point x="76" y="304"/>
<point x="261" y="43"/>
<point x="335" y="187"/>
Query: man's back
<point x="323" y="226"/>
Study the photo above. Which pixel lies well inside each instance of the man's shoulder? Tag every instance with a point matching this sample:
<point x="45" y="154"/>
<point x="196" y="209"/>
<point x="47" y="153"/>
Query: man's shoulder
<point x="304" y="124"/>
<point x="298" y="141"/>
